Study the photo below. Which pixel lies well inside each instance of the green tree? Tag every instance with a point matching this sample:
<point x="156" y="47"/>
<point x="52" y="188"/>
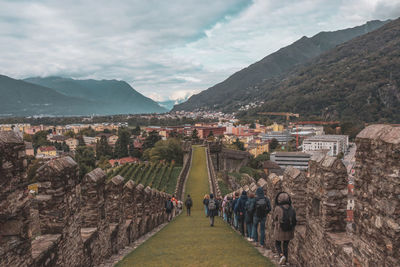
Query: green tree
<point x="86" y="160"/>
<point x="103" y="149"/>
<point x="168" y="150"/>
<point x="104" y="163"/>
<point x="211" y="134"/>
<point x="88" y="132"/>
<point x="274" y="143"/>
<point x="69" y="134"/>
<point x="136" y="131"/>
<point x="239" y="145"/>
<point x="121" y="146"/>
<point x="81" y="142"/>
<point x="252" y="125"/>
<point x="195" y="134"/>
<point x="40" y="139"/>
<point x="151" y="140"/>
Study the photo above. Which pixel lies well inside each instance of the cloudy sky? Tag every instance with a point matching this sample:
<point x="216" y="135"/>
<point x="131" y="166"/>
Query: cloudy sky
<point x="164" y="49"/>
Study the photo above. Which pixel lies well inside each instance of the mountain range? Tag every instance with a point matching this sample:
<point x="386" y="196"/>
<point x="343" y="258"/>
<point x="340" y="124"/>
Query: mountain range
<point x="57" y="96"/>
<point x="246" y="85"/>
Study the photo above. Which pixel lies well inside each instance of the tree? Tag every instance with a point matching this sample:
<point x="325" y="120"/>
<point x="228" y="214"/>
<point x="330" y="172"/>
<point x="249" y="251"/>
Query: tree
<point x="168" y="150"/>
<point x="274" y="143"/>
<point x="104" y="163"/>
<point x="88" y="132"/>
<point x="121" y="146"/>
<point x="40" y="139"/>
<point x="86" y="160"/>
<point x="211" y="134"/>
<point x="103" y="149"/>
<point x="252" y="125"/>
<point x="81" y="142"/>
<point x="195" y="134"/>
<point x="69" y="134"/>
<point x="239" y="145"/>
<point x="151" y="140"/>
<point x="27" y="137"/>
<point x="136" y="131"/>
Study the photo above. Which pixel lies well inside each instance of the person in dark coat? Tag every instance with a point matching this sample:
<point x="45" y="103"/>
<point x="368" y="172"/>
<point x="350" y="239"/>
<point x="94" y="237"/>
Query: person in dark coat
<point x="240" y="209"/>
<point x="169" y="206"/>
<point x="282" y="238"/>
<point x="262" y="208"/>
<point x="248" y="217"/>
<point x="235" y="215"/>
<point x="212" y="209"/>
<point x="188" y="205"/>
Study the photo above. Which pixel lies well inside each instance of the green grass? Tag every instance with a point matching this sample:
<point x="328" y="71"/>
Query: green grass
<point x="190" y="241"/>
<point x="173" y="179"/>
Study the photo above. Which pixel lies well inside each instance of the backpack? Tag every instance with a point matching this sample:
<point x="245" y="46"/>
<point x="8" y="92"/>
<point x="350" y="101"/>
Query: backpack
<point x="212" y="205"/>
<point x="189" y="202"/>
<point x="170" y="206"/>
<point x="288" y="221"/>
<point x="263" y="207"/>
<point x="250" y="206"/>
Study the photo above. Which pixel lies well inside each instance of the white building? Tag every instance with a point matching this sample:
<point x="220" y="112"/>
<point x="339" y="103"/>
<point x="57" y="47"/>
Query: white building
<point x="335" y="144"/>
<point x="297" y="160"/>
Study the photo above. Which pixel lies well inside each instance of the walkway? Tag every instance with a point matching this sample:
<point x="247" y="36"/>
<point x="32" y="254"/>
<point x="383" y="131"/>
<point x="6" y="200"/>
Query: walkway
<point x="190" y="241"/>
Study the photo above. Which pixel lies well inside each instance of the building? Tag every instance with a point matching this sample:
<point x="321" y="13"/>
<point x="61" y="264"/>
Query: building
<point x="335" y="144"/>
<point x="282" y="137"/>
<point x="204" y="132"/>
<point x="72" y="143"/>
<point x="58" y="138"/>
<point x="297" y="160"/>
<point x="46" y="152"/>
<point x="89" y="140"/>
<point x="258" y="148"/>
<point x="122" y="161"/>
<point x="29" y="149"/>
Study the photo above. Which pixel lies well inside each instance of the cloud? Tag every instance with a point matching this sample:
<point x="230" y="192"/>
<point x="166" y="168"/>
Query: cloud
<point x="164" y="49"/>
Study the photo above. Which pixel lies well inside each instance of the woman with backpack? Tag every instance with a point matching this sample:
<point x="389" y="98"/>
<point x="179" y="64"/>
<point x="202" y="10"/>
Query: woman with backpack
<point x="205" y="203"/>
<point x="285" y="221"/>
<point x="212" y="209"/>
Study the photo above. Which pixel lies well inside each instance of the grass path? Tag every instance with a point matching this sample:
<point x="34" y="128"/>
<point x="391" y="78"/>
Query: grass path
<point x="190" y="241"/>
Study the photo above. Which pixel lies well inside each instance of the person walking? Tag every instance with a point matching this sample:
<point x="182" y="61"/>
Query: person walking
<point x="205" y="203"/>
<point x="235" y="215"/>
<point x="284" y="219"/>
<point x="175" y="204"/>
<point x="262" y="208"/>
<point x="188" y="204"/>
<point x="224" y="203"/>
<point x="229" y="210"/>
<point x="240" y="209"/>
<point x="250" y="208"/>
<point x="212" y="209"/>
<point x="168" y="208"/>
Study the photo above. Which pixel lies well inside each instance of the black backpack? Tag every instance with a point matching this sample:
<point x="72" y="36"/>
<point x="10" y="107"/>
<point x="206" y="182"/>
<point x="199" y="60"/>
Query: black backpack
<point x="170" y="206"/>
<point x="189" y="202"/>
<point x="263" y="207"/>
<point x="250" y="206"/>
<point x="288" y="222"/>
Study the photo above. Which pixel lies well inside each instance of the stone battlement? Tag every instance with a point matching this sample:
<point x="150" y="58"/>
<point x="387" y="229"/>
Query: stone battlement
<point x="320" y="198"/>
<point x="70" y="222"/>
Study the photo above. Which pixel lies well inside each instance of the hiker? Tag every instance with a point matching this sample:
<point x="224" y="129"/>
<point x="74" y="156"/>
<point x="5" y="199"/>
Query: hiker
<point x="262" y="208"/>
<point x="229" y="210"/>
<point x="205" y="203"/>
<point x="175" y="204"/>
<point x="224" y="203"/>
<point x="179" y="206"/>
<point x="188" y="204"/>
<point x="250" y="208"/>
<point x="240" y="210"/>
<point x="284" y="218"/>
<point x="168" y="208"/>
<point x="212" y="209"/>
<point x="235" y="215"/>
<point x="219" y="203"/>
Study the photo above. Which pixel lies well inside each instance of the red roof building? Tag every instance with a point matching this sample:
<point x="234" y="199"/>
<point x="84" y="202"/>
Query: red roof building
<point x="122" y="161"/>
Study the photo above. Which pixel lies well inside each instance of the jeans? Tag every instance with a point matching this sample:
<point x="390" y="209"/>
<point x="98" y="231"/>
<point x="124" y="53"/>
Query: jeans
<point x="285" y="247"/>
<point x="206" y="210"/>
<point x="235" y="221"/>
<point x="241" y="224"/>
<point x="249" y="229"/>
<point x="261" y="221"/>
<point x="225" y="217"/>
<point x="188" y="211"/>
<point x="212" y="220"/>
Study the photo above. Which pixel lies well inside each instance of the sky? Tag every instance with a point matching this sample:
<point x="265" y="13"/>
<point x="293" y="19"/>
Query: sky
<point x="166" y="50"/>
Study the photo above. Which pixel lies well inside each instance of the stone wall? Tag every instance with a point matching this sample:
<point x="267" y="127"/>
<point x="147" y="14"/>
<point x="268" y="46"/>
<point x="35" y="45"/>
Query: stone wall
<point x="224" y="159"/>
<point x="320" y="199"/>
<point x="75" y="222"/>
<point x="187" y="161"/>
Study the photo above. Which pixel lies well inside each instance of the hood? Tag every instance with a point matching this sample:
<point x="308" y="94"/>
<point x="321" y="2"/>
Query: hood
<point x="283" y="198"/>
<point x="244" y="193"/>
<point x="211" y="196"/>
<point x="260" y="192"/>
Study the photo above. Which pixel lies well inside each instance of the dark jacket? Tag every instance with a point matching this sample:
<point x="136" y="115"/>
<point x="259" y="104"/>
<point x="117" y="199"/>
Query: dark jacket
<point x="234" y="204"/>
<point x="213" y="213"/>
<point x="281" y="200"/>
<point x="259" y="195"/>
<point x="189" y="202"/>
<point x="166" y="205"/>
<point x="205" y="201"/>
<point x="249" y="216"/>
<point x="240" y="206"/>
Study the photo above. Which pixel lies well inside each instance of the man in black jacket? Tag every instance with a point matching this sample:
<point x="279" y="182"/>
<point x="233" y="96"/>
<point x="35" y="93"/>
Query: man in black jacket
<point x="188" y="204"/>
<point x="263" y="207"/>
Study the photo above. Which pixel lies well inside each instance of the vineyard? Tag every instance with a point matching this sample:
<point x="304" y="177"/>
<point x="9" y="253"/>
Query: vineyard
<point x="159" y="175"/>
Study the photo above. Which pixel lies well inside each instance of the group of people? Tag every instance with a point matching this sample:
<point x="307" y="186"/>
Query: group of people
<point x="248" y="214"/>
<point x="172" y="207"/>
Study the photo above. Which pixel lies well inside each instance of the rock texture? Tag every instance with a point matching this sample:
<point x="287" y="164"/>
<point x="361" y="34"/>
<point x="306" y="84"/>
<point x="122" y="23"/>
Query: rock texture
<point x="74" y="222"/>
<point x="320" y="198"/>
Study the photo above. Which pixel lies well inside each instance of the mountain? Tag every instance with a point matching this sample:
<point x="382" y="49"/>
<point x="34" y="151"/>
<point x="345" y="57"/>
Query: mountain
<point x="19" y="98"/>
<point x="356" y="81"/>
<point x="169" y="104"/>
<point x="110" y="96"/>
<point x="227" y="94"/>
